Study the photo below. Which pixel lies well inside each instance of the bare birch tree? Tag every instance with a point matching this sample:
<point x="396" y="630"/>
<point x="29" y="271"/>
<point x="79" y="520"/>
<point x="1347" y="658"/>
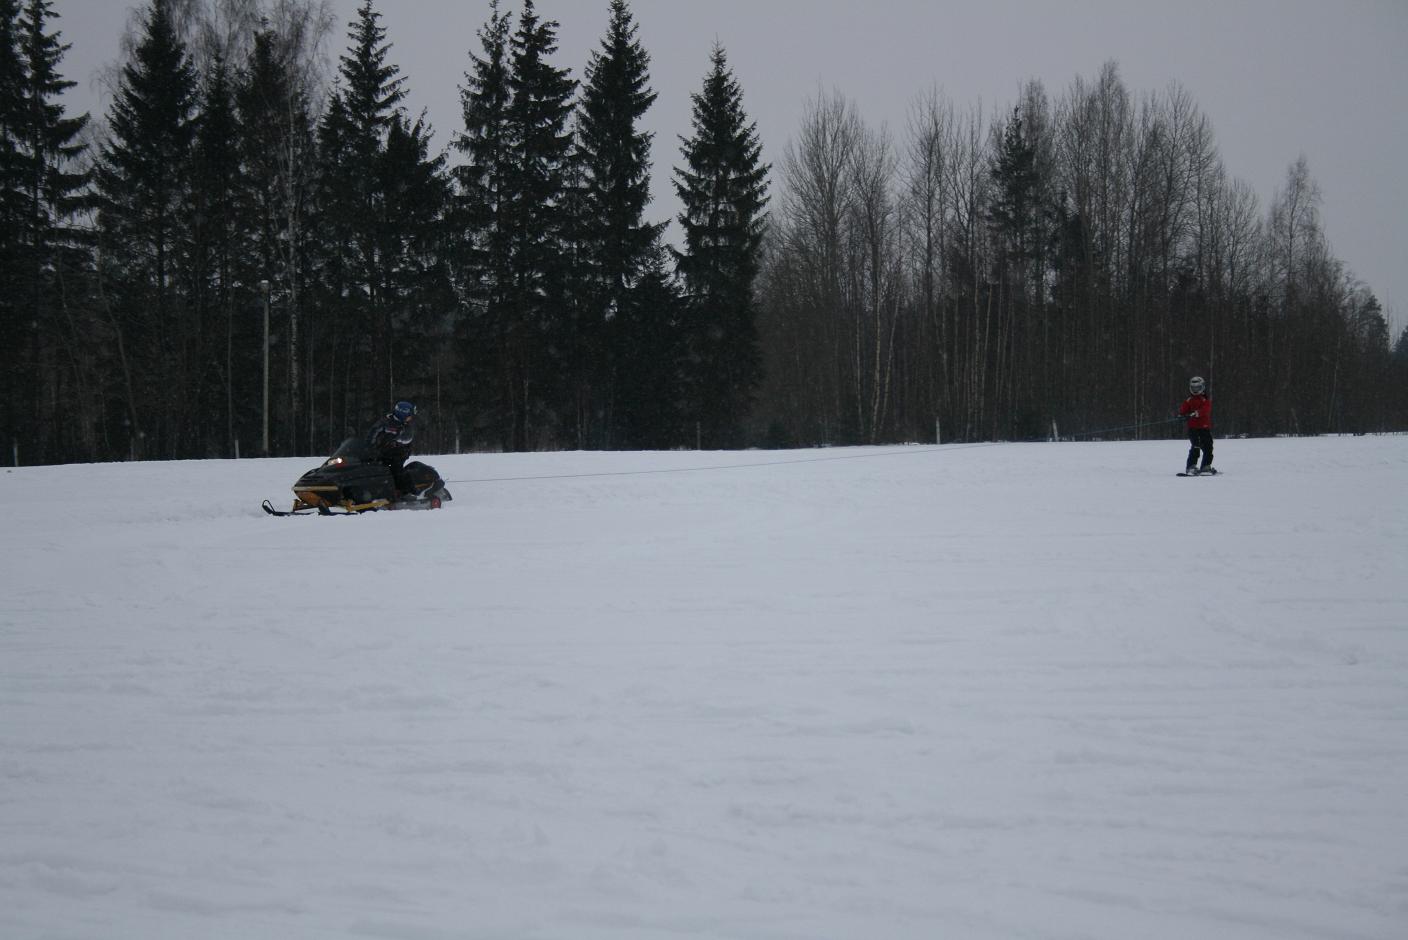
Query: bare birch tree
<point x="874" y="275"/>
<point x="817" y="198"/>
<point x="928" y="231"/>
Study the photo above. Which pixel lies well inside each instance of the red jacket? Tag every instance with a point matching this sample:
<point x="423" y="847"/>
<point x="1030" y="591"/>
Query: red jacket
<point x="1198" y="410"/>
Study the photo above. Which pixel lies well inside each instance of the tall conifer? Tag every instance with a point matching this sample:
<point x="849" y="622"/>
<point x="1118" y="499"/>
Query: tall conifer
<point x="12" y="178"/>
<point x="481" y="244"/>
<point x="723" y="187"/>
<point x="219" y="246"/>
<point x="353" y="141"/>
<point x="416" y="199"/>
<point x="143" y="183"/>
<point x="55" y="184"/>
<point x="533" y="199"/>
<point x="13" y="81"/>
<point x="617" y="242"/>
<point x="1013" y="212"/>
<point x="648" y="403"/>
<point x="384" y="201"/>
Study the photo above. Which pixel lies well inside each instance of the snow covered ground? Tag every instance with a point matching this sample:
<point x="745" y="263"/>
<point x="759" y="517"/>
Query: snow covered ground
<point x="1009" y="691"/>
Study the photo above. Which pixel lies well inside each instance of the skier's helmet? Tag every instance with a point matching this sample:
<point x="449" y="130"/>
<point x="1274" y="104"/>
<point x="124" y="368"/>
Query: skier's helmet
<point x="1196" y="385"/>
<point x="403" y="412"/>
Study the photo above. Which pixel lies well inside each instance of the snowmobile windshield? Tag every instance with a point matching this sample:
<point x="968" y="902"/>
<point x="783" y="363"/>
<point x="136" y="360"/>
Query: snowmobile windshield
<point x="354" y="450"/>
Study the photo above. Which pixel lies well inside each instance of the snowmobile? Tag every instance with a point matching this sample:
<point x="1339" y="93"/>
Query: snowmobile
<point x="352" y="481"/>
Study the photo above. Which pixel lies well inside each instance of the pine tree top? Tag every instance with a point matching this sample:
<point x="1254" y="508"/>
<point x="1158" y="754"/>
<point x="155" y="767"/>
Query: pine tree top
<point x="724" y="181"/>
<point x="372" y="85"/>
<point x="158" y="87"/>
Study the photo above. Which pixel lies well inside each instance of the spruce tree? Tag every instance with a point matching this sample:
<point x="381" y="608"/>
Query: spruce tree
<point x="143" y="185"/>
<point x="482" y="249"/>
<point x="13" y="82"/>
<point x="648" y="397"/>
<point x="353" y="139"/>
<point x="484" y="142"/>
<point x="54" y="149"/>
<point x="55" y="186"/>
<point x="1016" y="220"/>
<point x="533" y="201"/>
<point x="615" y="154"/>
<point x="723" y="187"/>
<point x="12" y="179"/>
<point x="219" y="245"/>
<point x="336" y="273"/>
<point x="57" y="370"/>
<point x="1014" y="209"/>
<point x="416" y="200"/>
<point x="372" y="86"/>
<point x="384" y="205"/>
<point x="617" y="242"/>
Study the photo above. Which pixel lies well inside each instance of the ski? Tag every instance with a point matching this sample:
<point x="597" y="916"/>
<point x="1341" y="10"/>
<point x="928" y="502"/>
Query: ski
<point x="1200" y="473"/>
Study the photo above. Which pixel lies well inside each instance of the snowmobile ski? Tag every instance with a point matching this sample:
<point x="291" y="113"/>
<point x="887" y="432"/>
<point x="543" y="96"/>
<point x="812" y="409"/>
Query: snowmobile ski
<point x="269" y="508"/>
<point x="351" y="509"/>
<point x="433" y="502"/>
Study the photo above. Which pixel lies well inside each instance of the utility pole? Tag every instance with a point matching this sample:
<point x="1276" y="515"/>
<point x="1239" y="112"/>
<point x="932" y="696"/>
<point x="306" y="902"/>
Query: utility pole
<point x="264" y="286"/>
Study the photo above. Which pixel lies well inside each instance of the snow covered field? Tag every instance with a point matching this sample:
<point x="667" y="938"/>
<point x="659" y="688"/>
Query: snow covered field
<point x="1010" y="691"/>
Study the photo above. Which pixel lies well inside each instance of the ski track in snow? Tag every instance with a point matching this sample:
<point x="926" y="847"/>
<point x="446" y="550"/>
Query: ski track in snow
<point x="1026" y="690"/>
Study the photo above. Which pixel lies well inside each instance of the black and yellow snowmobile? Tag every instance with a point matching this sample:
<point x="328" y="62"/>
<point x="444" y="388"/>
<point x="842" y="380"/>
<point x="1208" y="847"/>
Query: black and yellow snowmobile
<point x="352" y="481"/>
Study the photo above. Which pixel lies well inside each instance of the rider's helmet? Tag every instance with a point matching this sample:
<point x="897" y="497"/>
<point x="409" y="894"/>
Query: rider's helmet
<point x="403" y="412"/>
<point x="1196" y="385"/>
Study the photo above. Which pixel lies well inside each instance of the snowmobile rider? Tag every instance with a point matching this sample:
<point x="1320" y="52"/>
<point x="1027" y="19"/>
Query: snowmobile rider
<point x="390" y="443"/>
<point x="1197" y="409"/>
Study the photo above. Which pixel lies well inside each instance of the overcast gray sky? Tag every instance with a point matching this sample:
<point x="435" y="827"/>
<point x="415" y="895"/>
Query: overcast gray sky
<point x="1277" y="78"/>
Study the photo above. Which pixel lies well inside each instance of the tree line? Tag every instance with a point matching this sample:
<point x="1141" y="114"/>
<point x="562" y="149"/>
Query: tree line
<point x="256" y="252"/>
<point x="255" y="257"/>
<point x="1062" y="269"/>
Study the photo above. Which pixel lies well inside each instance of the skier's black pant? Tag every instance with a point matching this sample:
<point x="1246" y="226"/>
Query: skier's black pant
<point x="1201" y="439"/>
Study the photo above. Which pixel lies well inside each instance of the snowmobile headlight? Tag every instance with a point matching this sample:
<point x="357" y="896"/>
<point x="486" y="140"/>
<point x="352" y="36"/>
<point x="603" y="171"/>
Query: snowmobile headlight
<point x="335" y="461"/>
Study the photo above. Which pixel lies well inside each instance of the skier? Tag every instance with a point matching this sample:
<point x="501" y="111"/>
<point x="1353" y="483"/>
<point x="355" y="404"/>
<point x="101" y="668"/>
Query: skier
<point x="390" y="443"/>
<point x="1197" y="409"/>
